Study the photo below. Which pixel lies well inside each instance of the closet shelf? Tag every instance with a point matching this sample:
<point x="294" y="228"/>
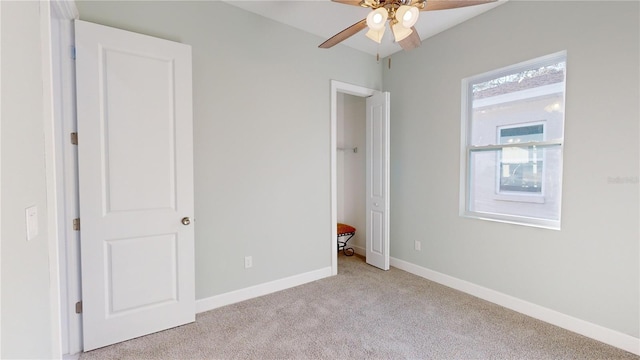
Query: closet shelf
<point x="354" y="149"/>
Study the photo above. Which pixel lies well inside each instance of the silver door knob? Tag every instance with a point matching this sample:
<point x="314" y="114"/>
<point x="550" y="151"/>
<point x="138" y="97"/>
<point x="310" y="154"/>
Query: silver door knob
<point x="375" y="204"/>
<point x="186" y="221"/>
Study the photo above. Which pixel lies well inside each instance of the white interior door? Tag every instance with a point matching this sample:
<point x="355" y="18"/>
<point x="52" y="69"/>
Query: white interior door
<point x="377" y="173"/>
<point x="135" y="158"/>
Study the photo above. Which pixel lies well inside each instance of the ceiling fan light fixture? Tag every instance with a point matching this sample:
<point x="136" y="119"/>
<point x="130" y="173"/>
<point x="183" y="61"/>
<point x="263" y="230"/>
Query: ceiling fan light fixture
<point x="402" y="15"/>
<point x="377" y="19"/>
<point x="407" y="16"/>
<point x="400" y="32"/>
<point x="376" y="35"/>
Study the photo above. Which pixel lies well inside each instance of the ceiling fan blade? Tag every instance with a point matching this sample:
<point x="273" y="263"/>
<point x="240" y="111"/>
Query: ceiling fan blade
<point x="344" y="34"/>
<point x="412" y="41"/>
<point x="348" y="2"/>
<point x="452" y="4"/>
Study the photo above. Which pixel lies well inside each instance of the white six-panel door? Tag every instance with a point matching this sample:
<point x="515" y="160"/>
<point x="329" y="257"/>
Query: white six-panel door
<point x="135" y="158"/>
<point x="377" y="173"/>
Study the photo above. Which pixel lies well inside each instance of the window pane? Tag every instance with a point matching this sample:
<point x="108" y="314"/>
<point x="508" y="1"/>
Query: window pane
<point x="530" y="96"/>
<point x="516" y="194"/>
<point x="523" y="177"/>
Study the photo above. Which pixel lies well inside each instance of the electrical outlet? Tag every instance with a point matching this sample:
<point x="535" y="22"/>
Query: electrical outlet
<point x="418" y="245"/>
<point x="248" y="262"/>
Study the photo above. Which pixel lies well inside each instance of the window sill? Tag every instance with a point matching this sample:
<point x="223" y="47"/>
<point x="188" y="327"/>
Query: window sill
<point x="515" y="220"/>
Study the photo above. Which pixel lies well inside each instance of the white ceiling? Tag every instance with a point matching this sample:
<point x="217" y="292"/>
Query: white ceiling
<point x="326" y="18"/>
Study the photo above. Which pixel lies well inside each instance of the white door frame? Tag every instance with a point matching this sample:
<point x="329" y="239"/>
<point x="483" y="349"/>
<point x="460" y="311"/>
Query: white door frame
<point x="52" y="170"/>
<point x="63" y="13"/>
<point x="345" y="88"/>
<point x="0" y="177"/>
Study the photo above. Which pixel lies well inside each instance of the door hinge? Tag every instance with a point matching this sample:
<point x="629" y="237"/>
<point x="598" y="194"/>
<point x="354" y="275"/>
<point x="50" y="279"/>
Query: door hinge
<point x="79" y="307"/>
<point x="74" y="138"/>
<point x="76" y="224"/>
<point x="73" y="52"/>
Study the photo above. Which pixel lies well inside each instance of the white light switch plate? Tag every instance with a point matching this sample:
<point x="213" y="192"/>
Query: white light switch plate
<point x="32" y="222"/>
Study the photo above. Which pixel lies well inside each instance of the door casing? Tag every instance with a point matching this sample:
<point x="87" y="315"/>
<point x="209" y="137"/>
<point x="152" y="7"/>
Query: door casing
<point x="63" y="14"/>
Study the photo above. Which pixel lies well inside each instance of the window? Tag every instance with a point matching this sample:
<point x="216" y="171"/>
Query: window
<point x="512" y="138"/>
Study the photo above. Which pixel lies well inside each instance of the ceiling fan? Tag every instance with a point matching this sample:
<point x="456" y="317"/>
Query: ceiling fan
<point x="401" y="14"/>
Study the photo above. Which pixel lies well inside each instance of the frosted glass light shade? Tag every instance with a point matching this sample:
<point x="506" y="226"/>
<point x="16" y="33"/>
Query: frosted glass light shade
<point x="400" y="32"/>
<point x="377" y="19"/>
<point x="407" y="16"/>
<point x="376" y="35"/>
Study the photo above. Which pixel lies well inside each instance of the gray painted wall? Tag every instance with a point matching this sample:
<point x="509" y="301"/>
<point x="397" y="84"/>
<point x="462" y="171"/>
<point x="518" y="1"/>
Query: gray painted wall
<point x="26" y="310"/>
<point x="589" y="269"/>
<point x="261" y="135"/>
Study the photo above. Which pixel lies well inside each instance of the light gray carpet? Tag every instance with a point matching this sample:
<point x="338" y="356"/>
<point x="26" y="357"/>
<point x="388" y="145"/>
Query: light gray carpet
<point x="363" y="313"/>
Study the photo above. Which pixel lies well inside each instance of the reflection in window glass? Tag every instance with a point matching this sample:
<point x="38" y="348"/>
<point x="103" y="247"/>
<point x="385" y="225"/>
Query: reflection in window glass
<point x="521" y="168"/>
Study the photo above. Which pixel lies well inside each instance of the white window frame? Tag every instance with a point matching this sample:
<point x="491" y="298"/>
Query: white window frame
<point x="466" y="149"/>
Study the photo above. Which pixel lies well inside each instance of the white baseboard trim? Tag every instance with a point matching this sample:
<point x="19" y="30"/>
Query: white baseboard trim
<point x="582" y="327"/>
<point x="71" y="356"/>
<point x="233" y="297"/>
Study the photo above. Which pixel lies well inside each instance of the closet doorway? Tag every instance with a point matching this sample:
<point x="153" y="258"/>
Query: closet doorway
<point x="351" y="168"/>
<point x="373" y="233"/>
